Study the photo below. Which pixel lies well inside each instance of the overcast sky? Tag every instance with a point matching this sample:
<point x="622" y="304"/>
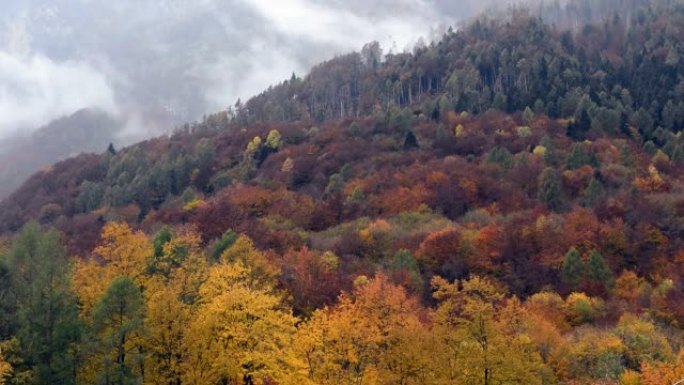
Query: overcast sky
<point x="139" y="57"/>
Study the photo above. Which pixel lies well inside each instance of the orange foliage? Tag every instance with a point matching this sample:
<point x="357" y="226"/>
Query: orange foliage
<point x="439" y="247"/>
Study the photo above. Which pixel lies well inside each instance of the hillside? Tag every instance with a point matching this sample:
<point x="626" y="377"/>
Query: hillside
<point x="84" y="131"/>
<point x="504" y="205"/>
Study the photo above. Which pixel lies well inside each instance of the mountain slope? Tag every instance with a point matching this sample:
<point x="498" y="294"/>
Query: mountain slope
<point x="83" y="131"/>
<point x="503" y="206"/>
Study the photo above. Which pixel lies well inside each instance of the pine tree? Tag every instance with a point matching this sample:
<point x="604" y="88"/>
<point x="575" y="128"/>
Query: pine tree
<point x="46" y="321"/>
<point x="597" y="269"/>
<point x="592" y="194"/>
<point x="528" y="116"/>
<point x="551" y="190"/>
<point x="118" y="326"/>
<point x="410" y="141"/>
<point x="572" y="270"/>
<point x="577" y="157"/>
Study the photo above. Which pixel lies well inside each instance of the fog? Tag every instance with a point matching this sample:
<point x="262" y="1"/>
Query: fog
<point x="158" y="63"/>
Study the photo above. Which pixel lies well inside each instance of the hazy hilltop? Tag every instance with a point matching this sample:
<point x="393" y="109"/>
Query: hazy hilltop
<point x="88" y="130"/>
<point x="501" y="205"/>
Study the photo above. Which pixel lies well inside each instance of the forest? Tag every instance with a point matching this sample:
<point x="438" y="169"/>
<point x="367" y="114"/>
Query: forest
<point x="502" y="206"/>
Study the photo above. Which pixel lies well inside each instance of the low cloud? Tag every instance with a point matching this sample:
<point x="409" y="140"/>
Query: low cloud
<point x="35" y="89"/>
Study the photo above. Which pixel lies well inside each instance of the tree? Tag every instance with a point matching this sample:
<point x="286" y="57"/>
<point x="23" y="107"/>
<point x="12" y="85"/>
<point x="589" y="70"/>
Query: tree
<point x="410" y="141"/>
<point x="118" y="328"/>
<point x="573" y="269"/>
<point x="593" y="194"/>
<point x="372" y="335"/>
<point x="274" y="139"/>
<point x="578" y="157"/>
<point x="643" y="341"/>
<point x="124" y="252"/>
<point x="5" y="369"/>
<point x="167" y="321"/>
<point x="481" y="338"/>
<point x="578" y="130"/>
<point x="656" y="373"/>
<point x="528" y="116"/>
<point x="46" y="319"/>
<point x="220" y="245"/>
<point x="550" y="189"/>
<point x="90" y="196"/>
<point x="241" y="331"/>
<point x="597" y="272"/>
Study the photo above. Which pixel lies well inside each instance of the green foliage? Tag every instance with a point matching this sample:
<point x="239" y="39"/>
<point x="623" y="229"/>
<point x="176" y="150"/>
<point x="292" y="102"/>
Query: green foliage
<point x="163" y="237"/>
<point x="222" y="244"/>
<point x="118" y="325"/>
<point x="550" y="155"/>
<point x="550" y="189"/>
<point x="528" y="116"/>
<point x="501" y="156"/>
<point x="593" y="194"/>
<point x="188" y="195"/>
<point x="357" y="195"/>
<point x="45" y="319"/>
<point x="572" y="270"/>
<point x="597" y="269"/>
<point x="90" y="196"/>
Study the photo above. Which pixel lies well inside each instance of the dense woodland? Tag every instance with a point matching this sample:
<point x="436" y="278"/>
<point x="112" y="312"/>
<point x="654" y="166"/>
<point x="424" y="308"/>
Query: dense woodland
<point x="502" y="206"/>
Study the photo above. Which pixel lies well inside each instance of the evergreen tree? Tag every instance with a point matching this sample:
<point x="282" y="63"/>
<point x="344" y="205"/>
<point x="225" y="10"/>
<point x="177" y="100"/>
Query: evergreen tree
<point x="550" y="156"/>
<point x="110" y="149"/>
<point x="592" y="194"/>
<point x="222" y="244"/>
<point x="572" y="270"/>
<point x="118" y="327"/>
<point x="46" y="321"/>
<point x="577" y="158"/>
<point x="597" y="269"/>
<point x="501" y="156"/>
<point x="528" y="116"/>
<point x="550" y="189"/>
<point x="578" y="130"/>
<point x="410" y="141"/>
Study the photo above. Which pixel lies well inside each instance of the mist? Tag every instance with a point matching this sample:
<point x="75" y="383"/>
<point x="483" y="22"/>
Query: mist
<point x="158" y="63"/>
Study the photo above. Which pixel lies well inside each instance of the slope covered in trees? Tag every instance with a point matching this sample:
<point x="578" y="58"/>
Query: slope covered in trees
<point x="504" y="206"/>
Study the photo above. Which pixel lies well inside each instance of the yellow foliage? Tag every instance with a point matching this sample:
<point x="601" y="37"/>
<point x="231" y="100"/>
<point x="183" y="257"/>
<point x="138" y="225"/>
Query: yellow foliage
<point x="549" y="306"/>
<point x="123" y="252"/>
<point x="288" y="165"/>
<point x="5" y="369"/>
<point x="582" y="308"/>
<point x="239" y="331"/>
<point x="592" y="353"/>
<point x="243" y="251"/>
<point x="194" y="205"/>
<point x="630" y="377"/>
<point x="643" y="342"/>
<point x="373" y="336"/>
<point x="253" y="145"/>
<point x="539" y="150"/>
<point x="167" y="320"/>
<point x="480" y="338"/>
<point x="659" y="373"/>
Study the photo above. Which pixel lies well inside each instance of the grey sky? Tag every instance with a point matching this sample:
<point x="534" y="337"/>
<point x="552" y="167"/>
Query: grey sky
<point x="142" y="58"/>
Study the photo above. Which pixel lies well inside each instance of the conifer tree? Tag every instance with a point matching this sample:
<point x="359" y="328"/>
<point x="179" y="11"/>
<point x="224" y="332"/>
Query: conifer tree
<point x="551" y="190"/>
<point x="572" y="269"/>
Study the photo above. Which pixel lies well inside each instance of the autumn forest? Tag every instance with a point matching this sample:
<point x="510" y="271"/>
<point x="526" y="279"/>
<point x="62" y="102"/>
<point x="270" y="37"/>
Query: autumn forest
<point x="504" y="205"/>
